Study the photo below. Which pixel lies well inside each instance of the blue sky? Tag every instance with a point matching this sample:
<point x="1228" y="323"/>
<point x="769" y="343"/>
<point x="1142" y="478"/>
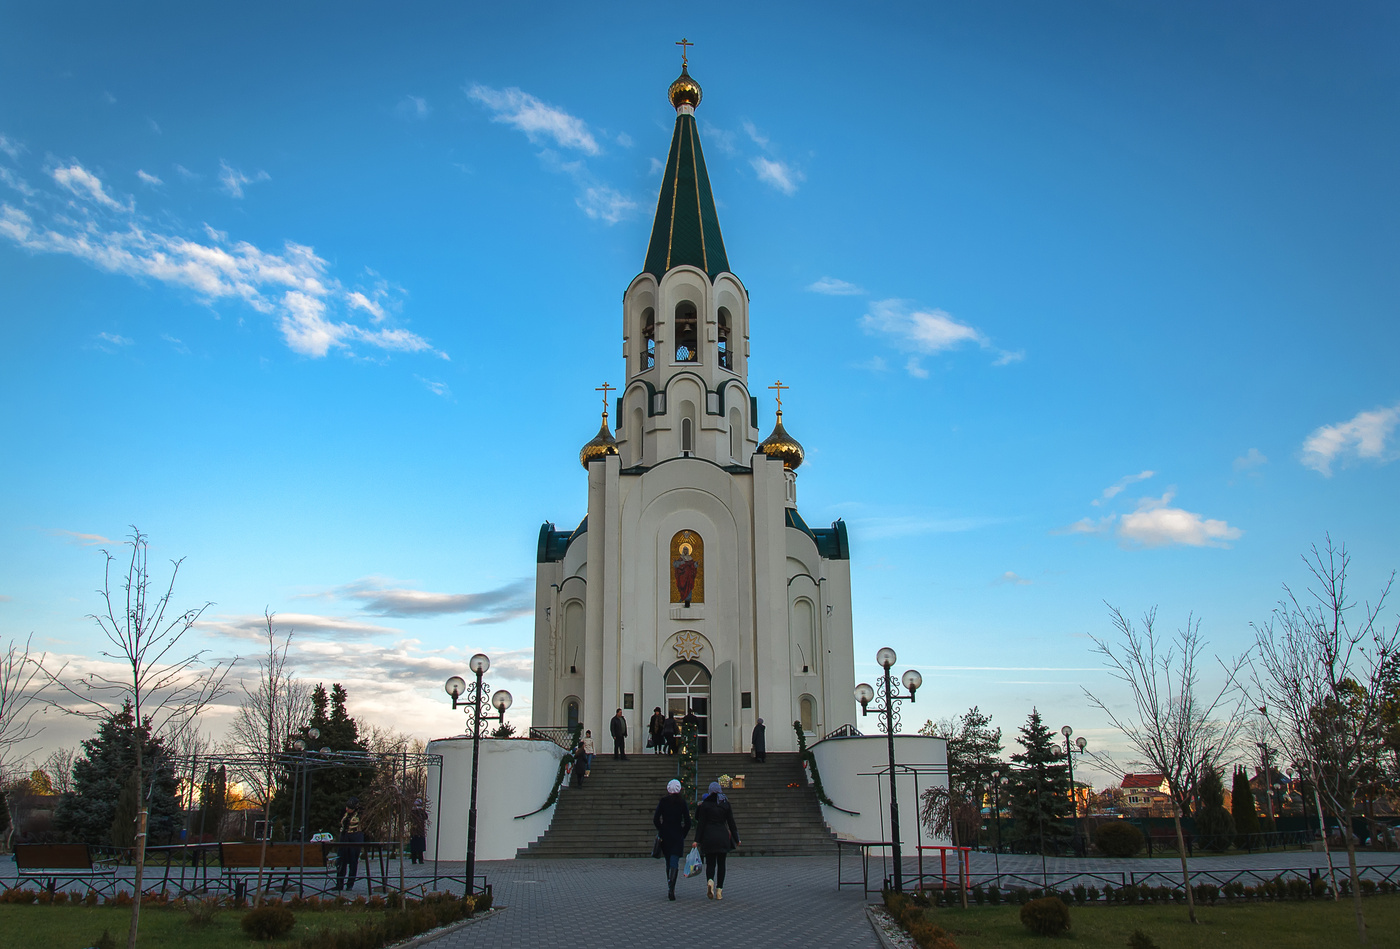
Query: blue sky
<point x="1083" y="304"/>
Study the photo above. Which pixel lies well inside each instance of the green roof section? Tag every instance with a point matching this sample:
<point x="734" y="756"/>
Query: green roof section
<point x="686" y="229"/>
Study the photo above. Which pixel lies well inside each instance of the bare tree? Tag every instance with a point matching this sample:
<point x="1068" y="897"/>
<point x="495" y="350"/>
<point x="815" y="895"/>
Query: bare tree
<point x="59" y="766"/>
<point x="397" y="798"/>
<point x="1320" y="679"/>
<point x="1174" y="727"/>
<point x="272" y="709"/>
<point x="21" y="682"/>
<point x="167" y="689"/>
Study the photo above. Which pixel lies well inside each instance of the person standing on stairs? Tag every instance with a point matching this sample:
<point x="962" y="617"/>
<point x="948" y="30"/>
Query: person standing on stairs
<point x="671" y="734"/>
<point x="715" y="835"/>
<point x="654" y="729"/>
<point x="760" y="742"/>
<point x="619" y="735"/>
<point x="672" y="820"/>
<point x="588" y="753"/>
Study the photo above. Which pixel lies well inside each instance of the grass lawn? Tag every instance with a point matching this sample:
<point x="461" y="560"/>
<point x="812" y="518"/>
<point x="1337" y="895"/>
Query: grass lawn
<point x="1285" y="925"/>
<point x="76" y="927"/>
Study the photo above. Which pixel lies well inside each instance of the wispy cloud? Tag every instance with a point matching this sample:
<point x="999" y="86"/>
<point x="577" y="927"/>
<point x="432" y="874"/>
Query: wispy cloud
<point x="148" y="178"/>
<point x="114" y="339"/>
<point x="779" y="174"/>
<point x="1364" y="437"/>
<point x="884" y="528"/>
<point x="538" y="120"/>
<point x="413" y="107"/>
<point x="1250" y="460"/>
<point x="924" y="332"/>
<point x="83" y="183"/>
<point x="1011" y="578"/>
<point x="232" y="180"/>
<point x="495" y="606"/>
<point x="292" y="286"/>
<point x="606" y="204"/>
<point x="1117" y="487"/>
<point x="833" y="287"/>
<point x="254" y="625"/>
<point x="176" y="344"/>
<point x="10" y="147"/>
<point x="1087" y="525"/>
<point x="79" y="540"/>
<point x="436" y="388"/>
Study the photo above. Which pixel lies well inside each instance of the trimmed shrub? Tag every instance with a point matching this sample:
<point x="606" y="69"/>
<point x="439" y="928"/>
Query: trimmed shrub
<point x="994" y="895"/>
<point x="1093" y="894"/>
<point x="979" y="896"/>
<point x="1118" y="839"/>
<point x="1045" y="917"/>
<point x="268" y="922"/>
<point x="1080" y="894"/>
<point x="203" y="911"/>
<point x="105" y="941"/>
<point x="1140" y="940"/>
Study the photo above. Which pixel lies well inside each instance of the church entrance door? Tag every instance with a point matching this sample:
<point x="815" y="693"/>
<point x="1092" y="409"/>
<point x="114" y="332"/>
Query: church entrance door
<point x="688" y="690"/>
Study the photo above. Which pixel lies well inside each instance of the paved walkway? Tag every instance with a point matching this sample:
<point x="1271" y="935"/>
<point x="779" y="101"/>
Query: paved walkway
<point x="768" y="901"/>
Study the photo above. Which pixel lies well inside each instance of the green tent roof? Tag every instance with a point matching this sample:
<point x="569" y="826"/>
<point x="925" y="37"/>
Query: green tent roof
<point x="686" y="229"/>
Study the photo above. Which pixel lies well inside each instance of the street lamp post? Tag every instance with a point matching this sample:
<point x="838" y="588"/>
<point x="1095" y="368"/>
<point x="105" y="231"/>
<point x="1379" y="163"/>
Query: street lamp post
<point x="996" y="811"/>
<point x="889" y="692"/>
<point x="1264" y="751"/>
<point x="1079" y="743"/>
<point x="501" y="700"/>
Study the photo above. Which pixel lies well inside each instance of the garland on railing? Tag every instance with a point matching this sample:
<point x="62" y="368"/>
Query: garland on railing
<point x="564" y="763"/>
<point x="811" y="760"/>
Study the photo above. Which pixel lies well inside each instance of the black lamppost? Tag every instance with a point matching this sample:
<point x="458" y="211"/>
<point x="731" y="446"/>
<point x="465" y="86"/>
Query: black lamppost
<point x="1079" y="743"/>
<point x="300" y="744"/>
<point x="996" y="811"/>
<point x="475" y="698"/>
<point x="890" y="694"/>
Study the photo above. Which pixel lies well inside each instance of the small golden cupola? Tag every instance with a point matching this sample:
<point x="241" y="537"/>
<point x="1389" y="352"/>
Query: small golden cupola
<point x="779" y="444"/>
<point x="685" y="91"/>
<point x="603" y="444"/>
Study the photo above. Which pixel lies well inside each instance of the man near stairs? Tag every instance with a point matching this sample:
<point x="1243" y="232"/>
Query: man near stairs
<point x="619" y="735"/>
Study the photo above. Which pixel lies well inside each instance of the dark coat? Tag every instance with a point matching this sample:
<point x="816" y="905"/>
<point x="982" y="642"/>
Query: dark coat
<point x="672" y="820"/>
<point x="619" y="726"/>
<point x="760" y="741"/>
<point x="714" y="826"/>
<point x="655" y="727"/>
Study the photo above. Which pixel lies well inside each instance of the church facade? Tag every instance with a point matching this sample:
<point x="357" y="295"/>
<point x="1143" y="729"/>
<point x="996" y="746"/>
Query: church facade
<point x="692" y="583"/>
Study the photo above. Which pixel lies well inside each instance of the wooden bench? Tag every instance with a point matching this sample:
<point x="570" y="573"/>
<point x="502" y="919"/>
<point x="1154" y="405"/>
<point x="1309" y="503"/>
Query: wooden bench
<point x="66" y="862"/>
<point x="292" y="862"/>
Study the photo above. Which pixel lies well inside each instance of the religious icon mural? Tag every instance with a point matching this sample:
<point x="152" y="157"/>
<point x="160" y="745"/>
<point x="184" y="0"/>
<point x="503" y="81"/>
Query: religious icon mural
<point x="687" y="568"/>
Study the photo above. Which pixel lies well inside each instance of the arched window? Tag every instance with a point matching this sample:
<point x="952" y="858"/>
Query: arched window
<point x="736" y="435"/>
<point x="687" y="435"/>
<point x="571" y="711"/>
<point x="807" y="713"/>
<point x="725" y="356"/>
<point x="573" y="637"/>
<point x="803" y="628"/>
<point x="634" y="436"/>
<point x="687" y="333"/>
<point x="648" y="351"/>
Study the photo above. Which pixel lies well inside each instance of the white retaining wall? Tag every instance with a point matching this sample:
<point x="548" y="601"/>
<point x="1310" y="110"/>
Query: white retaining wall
<point x="847" y="766"/>
<point x="514" y="778"/>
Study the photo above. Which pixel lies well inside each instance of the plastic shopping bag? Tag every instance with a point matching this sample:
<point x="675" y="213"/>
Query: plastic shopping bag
<point x="693" y="863"/>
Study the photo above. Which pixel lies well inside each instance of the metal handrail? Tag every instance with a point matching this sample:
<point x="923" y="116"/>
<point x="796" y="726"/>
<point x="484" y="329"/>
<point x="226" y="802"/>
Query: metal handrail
<point x="561" y="735"/>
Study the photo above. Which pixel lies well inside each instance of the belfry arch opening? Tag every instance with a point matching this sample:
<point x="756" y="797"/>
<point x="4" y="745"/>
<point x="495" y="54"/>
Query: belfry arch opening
<point x="726" y="356"/>
<point x="687" y="332"/>
<point x="647" y="353"/>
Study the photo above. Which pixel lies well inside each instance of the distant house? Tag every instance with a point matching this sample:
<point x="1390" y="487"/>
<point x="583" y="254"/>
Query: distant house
<point x="1146" y="795"/>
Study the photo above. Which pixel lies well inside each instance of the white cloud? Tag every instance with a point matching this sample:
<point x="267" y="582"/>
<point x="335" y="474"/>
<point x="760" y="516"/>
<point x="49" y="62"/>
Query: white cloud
<point x="177" y="344"/>
<point x="925" y="332"/>
<point x="1251" y="459"/>
<point x="80" y="540"/>
<point x="536" y="119"/>
<point x="1365" y="437"/>
<point x="723" y="139"/>
<point x="188" y="175"/>
<point x="657" y="166"/>
<point x="1087" y="525"/>
<point x="779" y="174"/>
<point x="414" y="107"/>
<point x="1154" y="524"/>
<point x="12" y="180"/>
<point x="1012" y="578"/>
<point x="149" y="179"/>
<point x="233" y="180"/>
<point x="603" y="203"/>
<point x="436" y="388"/>
<point x="915" y="368"/>
<point x="1117" y="487"/>
<point x="293" y="286"/>
<point x="752" y="132"/>
<point x="85" y="184"/>
<point x="10" y="147"/>
<point x="495" y="606"/>
<point x="833" y="287"/>
<point x="624" y="140"/>
<point x="113" y="338"/>
<point x="254" y="626"/>
<point x="874" y="364"/>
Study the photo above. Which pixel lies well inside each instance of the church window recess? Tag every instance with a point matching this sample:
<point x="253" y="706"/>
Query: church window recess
<point x="648" y="351"/>
<point x="726" y="356"/>
<point x="736" y="436"/>
<point x="687" y="333"/>
<point x="687" y="435"/>
<point x="573" y="637"/>
<point x="803" y="627"/>
<point x="807" y="713"/>
<point x="687" y="568"/>
<point x="634" y="436"/>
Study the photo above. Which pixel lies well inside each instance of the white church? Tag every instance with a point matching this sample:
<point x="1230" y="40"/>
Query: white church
<point x="692" y="583"/>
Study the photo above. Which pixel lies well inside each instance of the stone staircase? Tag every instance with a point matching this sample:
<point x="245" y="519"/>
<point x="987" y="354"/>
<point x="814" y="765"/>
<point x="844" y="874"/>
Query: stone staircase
<point x="611" y="815"/>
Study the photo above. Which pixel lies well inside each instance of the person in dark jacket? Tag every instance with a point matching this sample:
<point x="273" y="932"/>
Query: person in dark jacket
<point x="347" y="858"/>
<point x="619" y="735"/>
<point x="715" y="835"/>
<point x="672" y="820"/>
<point x="760" y="742"/>
<point x="654" y="729"/>
<point x="580" y="767"/>
<point x="671" y="734"/>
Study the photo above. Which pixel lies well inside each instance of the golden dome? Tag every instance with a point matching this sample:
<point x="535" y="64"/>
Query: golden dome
<point x="684" y="91"/>
<point x="779" y="444"/>
<point x="601" y="446"/>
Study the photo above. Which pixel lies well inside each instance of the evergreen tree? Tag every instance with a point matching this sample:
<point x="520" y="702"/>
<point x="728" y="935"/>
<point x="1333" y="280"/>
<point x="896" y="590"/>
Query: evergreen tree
<point x="1242" y="806"/>
<point x="102" y="773"/>
<point x="1039" y="798"/>
<point x="1213" y="822"/>
<point x="331" y="781"/>
<point x="213" y="803"/>
<point x="974" y="750"/>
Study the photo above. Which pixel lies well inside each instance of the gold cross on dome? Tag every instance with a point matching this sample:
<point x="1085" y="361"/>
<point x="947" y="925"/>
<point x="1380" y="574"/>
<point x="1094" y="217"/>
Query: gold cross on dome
<point x="683" y="44"/>
<point x="779" y="387"/>
<point x="605" y="389"/>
